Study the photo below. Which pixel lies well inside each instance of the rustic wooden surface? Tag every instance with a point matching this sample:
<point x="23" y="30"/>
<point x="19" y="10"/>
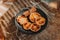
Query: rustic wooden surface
<point x="52" y="31"/>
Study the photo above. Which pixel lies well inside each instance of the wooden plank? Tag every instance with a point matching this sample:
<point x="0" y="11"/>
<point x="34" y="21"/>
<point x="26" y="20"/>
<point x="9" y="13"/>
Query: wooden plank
<point x="3" y="28"/>
<point x="14" y="6"/>
<point x="20" y="2"/>
<point x="19" y="7"/>
<point x="8" y="16"/>
<point x="5" y="18"/>
<point x="10" y="13"/>
<point x="13" y="10"/>
<point x="23" y="1"/>
<point x="28" y="2"/>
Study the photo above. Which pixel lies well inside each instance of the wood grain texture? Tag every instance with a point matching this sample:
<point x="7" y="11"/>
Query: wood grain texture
<point x="52" y="31"/>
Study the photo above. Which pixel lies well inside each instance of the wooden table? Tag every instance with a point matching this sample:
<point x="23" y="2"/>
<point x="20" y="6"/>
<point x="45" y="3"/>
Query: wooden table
<point x="52" y="31"/>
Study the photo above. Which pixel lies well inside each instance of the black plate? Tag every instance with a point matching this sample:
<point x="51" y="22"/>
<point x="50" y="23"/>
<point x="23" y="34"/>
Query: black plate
<point x="30" y="32"/>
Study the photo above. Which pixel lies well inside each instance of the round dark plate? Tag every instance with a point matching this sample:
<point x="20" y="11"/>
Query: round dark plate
<point x="30" y="32"/>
